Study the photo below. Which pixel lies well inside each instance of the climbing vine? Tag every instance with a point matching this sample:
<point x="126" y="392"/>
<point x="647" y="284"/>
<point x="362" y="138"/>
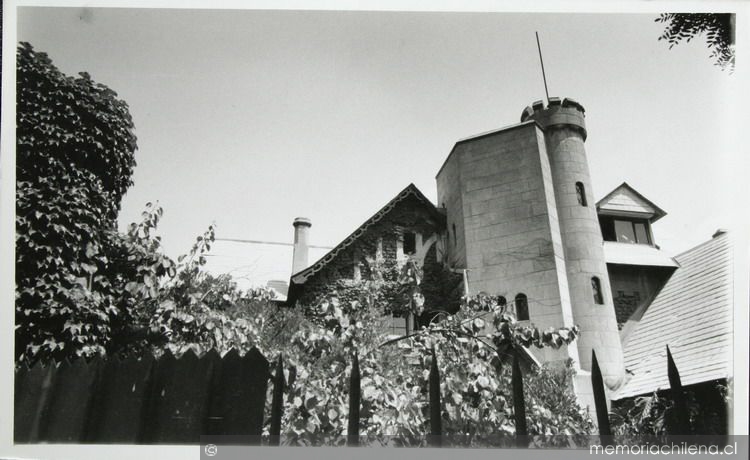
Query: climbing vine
<point x="472" y="347"/>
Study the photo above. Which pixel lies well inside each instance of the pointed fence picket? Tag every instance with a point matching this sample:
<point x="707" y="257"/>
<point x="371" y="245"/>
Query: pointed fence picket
<point x="176" y="400"/>
<point x="436" y="425"/>
<point x="277" y="403"/>
<point x="680" y="420"/>
<point x="141" y="400"/>
<point x="355" y="396"/>
<point x="519" y="402"/>
<point x="600" y="400"/>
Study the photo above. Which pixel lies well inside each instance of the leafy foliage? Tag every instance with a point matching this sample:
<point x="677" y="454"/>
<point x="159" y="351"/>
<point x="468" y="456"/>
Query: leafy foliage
<point x="76" y="121"/>
<point x="472" y="349"/>
<point x="651" y="415"/>
<point x="718" y="28"/>
<point x="99" y="302"/>
<point x="74" y="161"/>
<point x="84" y="289"/>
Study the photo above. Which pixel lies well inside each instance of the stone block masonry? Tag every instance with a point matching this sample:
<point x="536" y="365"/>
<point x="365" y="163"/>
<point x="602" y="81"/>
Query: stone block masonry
<point x="588" y="281"/>
<point x="498" y="191"/>
<point x="521" y="218"/>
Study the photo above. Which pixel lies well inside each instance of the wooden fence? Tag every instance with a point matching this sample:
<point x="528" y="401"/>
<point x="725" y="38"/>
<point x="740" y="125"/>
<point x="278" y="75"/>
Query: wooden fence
<point x="175" y="401"/>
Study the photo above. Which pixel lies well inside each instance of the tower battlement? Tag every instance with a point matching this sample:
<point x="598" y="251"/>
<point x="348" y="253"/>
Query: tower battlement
<point x="560" y="112"/>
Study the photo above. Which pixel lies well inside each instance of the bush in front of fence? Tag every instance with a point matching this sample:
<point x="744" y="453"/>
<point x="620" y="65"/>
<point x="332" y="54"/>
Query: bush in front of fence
<point x="474" y="350"/>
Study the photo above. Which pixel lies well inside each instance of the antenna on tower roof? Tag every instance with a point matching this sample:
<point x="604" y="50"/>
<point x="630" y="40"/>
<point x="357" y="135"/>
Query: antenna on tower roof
<point x="539" y="47"/>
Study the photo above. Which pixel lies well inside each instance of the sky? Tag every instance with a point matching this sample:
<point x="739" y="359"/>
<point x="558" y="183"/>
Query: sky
<point x="248" y="119"/>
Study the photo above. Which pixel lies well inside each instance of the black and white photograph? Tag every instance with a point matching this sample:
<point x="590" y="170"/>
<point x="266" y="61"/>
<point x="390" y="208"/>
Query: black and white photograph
<point x="230" y="230"/>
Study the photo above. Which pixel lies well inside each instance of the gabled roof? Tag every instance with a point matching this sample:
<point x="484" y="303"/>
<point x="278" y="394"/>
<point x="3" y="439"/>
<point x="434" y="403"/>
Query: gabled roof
<point x="626" y="201"/>
<point x="693" y="315"/>
<point x="410" y="191"/>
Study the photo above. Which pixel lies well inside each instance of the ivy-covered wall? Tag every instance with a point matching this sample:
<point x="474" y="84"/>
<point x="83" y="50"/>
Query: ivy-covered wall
<point x="409" y="215"/>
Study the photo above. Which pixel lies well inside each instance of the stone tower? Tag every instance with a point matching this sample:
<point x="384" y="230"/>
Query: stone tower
<point x="590" y="294"/>
<point x="521" y="219"/>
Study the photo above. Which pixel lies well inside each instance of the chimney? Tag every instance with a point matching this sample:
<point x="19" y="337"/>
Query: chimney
<point x="301" y="231"/>
<point x="719" y="232"/>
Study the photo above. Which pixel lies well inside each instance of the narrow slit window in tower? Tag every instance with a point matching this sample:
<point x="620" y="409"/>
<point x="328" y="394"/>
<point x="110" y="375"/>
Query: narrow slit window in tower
<point x="454" y="235"/>
<point x="522" y="307"/>
<point x="581" y="193"/>
<point x="597" y="288"/>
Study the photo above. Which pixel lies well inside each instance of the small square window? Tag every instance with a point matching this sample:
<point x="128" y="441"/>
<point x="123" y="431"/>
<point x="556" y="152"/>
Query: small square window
<point x="634" y="232"/>
<point x="625" y="231"/>
<point x="398" y="325"/>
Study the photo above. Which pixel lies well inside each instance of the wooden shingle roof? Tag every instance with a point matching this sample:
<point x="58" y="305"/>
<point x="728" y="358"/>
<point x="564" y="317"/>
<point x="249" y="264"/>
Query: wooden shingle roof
<point x="693" y="315"/>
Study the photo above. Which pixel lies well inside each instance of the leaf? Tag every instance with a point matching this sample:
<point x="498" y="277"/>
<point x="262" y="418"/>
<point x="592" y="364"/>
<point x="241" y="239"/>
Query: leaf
<point x="132" y="287"/>
<point x="91" y="250"/>
<point x="88" y="268"/>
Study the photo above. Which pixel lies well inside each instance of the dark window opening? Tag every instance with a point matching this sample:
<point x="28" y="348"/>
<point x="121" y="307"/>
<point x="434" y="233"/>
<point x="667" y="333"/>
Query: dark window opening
<point x="641" y="233"/>
<point x="455" y="240"/>
<point x="608" y="228"/>
<point x="522" y="307"/>
<point x="581" y="193"/>
<point x="410" y="243"/>
<point x="625" y="231"/>
<point x="502" y="301"/>
<point x="596" y="286"/>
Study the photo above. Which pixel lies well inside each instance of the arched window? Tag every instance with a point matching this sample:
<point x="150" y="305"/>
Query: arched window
<point x="522" y="307"/>
<point x="581" y="193"/>
<point x="596" y="286"/>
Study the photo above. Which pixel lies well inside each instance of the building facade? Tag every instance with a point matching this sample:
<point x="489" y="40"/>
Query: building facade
<point x="515" y="217"/>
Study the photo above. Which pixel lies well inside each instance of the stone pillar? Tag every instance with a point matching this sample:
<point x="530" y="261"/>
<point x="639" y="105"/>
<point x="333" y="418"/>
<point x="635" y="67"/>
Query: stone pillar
<point x="301" y="232"/>
<point x="565" y="132"/>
